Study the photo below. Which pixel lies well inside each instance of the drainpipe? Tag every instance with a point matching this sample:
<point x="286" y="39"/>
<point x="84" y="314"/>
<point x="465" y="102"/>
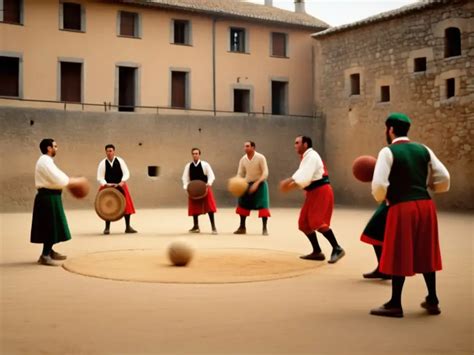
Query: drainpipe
<point x="214" y="65"/>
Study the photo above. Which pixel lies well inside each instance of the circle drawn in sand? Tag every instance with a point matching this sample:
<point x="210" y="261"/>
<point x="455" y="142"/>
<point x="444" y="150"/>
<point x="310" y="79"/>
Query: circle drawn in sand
<point x="208" y="266"/>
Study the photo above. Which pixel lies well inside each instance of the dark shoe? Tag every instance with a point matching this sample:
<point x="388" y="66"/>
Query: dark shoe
<point x="56" y="256"/>
<point x="195" y="229"/>
<point x="106" y="231"/>
<point x="313" y="256"/>
<point x="336" y="254"/>
<point x="265" y="232"/>
<point x="387" y="311"/>
<point x="376" y="274"/>
<point x="241" y="231"/>
<point x="130" y="230"/>
<point x="46" y="260"/>
<point x="431" y="308"/>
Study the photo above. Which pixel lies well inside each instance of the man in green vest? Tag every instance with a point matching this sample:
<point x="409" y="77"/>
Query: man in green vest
<point x="403" y="173"/>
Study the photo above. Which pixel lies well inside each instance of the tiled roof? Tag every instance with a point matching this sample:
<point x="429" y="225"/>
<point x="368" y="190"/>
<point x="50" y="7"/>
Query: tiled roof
<point x="237" y="9"/>
<point x="402" y="11"/>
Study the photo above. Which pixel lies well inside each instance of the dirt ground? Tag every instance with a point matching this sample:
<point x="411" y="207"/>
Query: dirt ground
<point x="47" y="310"/>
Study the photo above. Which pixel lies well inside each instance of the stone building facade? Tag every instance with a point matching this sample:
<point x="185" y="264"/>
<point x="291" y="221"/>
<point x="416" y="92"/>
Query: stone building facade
<point x="417" y="60"/>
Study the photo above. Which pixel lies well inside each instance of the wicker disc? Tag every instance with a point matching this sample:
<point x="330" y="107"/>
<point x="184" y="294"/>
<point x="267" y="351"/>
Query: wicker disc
<point x="110" y="204"/>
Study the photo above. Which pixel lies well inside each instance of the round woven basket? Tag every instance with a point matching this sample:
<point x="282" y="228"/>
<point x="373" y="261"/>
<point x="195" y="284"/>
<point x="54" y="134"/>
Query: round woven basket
<point x="110" y="204"/>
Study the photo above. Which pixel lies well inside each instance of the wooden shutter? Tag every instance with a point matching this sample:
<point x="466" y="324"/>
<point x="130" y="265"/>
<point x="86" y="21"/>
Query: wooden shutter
<point x="71" y="82"/>
<point x="279" y="44"/>
<point x="178" y="89"/>
<point x="11" y="11"/>
<point x="127" y="24"/>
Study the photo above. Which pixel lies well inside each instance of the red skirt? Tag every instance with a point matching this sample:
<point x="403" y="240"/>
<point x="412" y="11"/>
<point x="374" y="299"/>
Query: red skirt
<point x="203" y="205"/>
<point x="411" y="244"/>
<point x="316" y="213"/>
<point x="129" y="208"/>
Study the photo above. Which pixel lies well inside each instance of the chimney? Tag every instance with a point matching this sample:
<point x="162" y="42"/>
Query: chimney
<point x="299" y="6"/>
<point x="268" y="2"/>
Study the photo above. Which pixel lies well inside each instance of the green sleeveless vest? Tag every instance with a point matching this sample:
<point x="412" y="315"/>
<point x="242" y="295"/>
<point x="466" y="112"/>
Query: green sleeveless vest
<point x="409" y="172"/>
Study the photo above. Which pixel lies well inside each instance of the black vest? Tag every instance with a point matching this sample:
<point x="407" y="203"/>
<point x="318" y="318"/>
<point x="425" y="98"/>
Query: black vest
<point x="113" y="174"/>
<point x="196" y="172"/>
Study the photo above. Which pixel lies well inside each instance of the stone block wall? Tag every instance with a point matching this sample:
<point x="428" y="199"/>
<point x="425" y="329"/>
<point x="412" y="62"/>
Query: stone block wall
<point x="144" y="140"/>
<point x="383" y="54"/>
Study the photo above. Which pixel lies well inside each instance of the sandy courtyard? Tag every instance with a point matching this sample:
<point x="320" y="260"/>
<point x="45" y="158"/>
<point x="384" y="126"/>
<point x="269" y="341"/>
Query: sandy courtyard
<point x="46" y="310"/>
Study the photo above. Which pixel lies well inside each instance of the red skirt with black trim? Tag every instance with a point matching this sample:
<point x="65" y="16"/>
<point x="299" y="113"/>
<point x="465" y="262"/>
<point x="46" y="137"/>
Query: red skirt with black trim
<point x="316" y="213"/>
<point x="129" y="207"/>
<point x="203" y="205"/>
<point x="411" y="244"/>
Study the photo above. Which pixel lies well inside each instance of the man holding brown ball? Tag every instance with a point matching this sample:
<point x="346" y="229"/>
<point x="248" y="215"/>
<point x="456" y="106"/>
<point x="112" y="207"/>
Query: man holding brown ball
<point x="253" y="167"/>
<point x="315" y="215"/>
<point x="49" y="225"/>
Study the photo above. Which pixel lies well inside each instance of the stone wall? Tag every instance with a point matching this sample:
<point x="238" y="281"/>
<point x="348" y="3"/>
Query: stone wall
<point x="144" y="140"/>
<point x="383" y="53"/>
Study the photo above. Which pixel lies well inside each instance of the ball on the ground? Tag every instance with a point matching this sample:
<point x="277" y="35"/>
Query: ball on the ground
<point x="180" y="253"/>
<point x="237" y="186"/>
<point x="363" y="168"/>
<point x="80" y="187"/>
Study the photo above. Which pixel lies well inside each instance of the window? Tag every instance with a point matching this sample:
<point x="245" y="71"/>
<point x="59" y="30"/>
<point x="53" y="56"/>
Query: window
<point x="10" y="76"/>
<point x="279" y="97"/>
<point x="11" y="11"/>
<point x="355" y="84"/>
<point x="420" y="64"/>
<point x="237" y="40"/>
<point x="71" y="81"/>
<point x="129" y="24"/>
<point x="452" y="42"/>
<point x="178" y="89"/>
<point x="385" y="93"/>
<point x="279" y="44"/>
<point x="450" y="87"/>
<point x="71" y="16"/>
<point x="181" y="32"/>
<point x="127" y="88"/>
<point x="241" y="100"/>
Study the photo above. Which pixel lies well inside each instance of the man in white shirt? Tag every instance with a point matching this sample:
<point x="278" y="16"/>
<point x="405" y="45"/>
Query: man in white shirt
<point x="253" y="167"/>
<point x="200" y="170"/>
<point x="315" y="215"/>
<point x="49" y="225"/>
<point x="113" y="172"/>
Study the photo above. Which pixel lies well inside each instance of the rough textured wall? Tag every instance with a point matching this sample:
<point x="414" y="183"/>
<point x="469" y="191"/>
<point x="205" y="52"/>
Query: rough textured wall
<point x="383" y="54"/>
<point x="143" y="140"/>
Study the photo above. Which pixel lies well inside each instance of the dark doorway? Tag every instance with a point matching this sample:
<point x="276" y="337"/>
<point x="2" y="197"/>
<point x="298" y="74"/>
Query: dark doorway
<point x="71" y="74"/>
<point x="178" y="89"/>
<point x="279" y="97"/>
<point x="127" y="83"/>
<point x="241" y="100"/>
<point x="9" y="76"/>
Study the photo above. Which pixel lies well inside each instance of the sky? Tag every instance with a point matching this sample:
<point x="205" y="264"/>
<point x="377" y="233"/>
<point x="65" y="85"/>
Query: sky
<point x="339" y="12"/>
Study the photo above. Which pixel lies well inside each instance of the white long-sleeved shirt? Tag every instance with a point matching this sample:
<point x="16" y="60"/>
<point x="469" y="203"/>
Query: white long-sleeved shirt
<point x="253" y="169"/>
<point x="206" y="168"/>
<point x="48" y="175"/>
<point x="101" y="170"/>
<point x="311" y="169"/>
<point x="438" y="176"/>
